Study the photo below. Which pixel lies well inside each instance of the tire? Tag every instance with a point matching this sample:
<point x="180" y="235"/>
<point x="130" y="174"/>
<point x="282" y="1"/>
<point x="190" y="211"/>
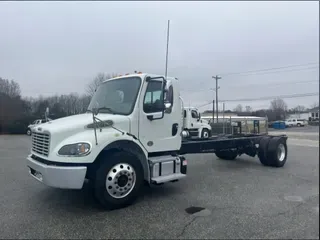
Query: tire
<point x="269" y="149"/>
<point x="227" y="155"/>
<point x="298" y="125"/>
<point x="119" y="166"/>
<point x="29" y="132"/>
<point x="262" y="151"/>
<point x="205" y="133"/>
<point x="277" y="152"/>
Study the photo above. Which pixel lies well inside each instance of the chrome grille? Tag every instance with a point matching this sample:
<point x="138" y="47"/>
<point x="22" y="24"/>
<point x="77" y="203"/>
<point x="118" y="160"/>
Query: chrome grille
<point x="41" y="143"/>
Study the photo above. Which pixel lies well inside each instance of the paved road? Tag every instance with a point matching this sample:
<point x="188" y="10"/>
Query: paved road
<point x="306" y="129"/>
<point x="243" y="199"/>
<point x="308" y="132"/>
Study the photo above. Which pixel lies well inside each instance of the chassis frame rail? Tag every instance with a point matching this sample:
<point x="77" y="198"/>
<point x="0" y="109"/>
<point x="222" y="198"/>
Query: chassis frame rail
<point x="225" y="142"/>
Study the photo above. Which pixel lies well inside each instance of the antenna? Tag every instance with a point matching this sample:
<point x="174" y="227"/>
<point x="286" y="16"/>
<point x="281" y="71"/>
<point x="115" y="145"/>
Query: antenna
<point x="168" y="30"/>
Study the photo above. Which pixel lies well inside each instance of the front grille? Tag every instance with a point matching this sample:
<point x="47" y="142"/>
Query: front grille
<point x="41" y="143"/>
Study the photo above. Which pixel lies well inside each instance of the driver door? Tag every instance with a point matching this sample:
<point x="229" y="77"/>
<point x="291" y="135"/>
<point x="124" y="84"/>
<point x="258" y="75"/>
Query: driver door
<point x="195" y="119"/>
<point x="155" y="126"/>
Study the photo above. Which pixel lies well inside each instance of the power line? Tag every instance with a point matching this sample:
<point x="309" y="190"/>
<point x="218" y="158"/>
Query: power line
<point x="266" y="98"/>
<point x="273" y="97"/>
<point x="282" y="71"/>
<point x="271" y="84"/>
<point x="259" y="84"/>
<point x="268" y="69"/>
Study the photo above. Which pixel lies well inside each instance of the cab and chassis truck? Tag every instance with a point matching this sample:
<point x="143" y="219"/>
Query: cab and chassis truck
<point x="133" y="134"/>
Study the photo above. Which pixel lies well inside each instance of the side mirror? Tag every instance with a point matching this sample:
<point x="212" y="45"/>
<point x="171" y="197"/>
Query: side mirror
<point x="167" y="106"/>
<point x="199" y="117"/>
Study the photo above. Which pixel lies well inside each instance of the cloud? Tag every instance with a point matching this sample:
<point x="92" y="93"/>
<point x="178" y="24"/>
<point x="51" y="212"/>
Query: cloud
<point x="58" y="47"/>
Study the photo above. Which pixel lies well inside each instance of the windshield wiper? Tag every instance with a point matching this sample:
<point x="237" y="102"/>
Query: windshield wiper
<point x="97" y="110"/>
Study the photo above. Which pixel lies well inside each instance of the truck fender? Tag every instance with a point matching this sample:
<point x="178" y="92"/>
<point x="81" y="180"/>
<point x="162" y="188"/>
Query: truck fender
<point x="133" y="148"/>
<point x="200" y="132"/>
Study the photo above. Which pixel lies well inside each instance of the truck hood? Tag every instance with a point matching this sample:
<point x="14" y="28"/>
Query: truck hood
<point x="68" y="126"/>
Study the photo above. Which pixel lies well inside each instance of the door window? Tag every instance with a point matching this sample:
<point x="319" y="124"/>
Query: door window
<point x="153" y="98"/>
<point x="194" y="114"/>
<point x="169" y="98"/>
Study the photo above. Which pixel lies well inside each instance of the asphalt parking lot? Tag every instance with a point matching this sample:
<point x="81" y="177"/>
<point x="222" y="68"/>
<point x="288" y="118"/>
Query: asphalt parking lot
<point x="242" y="199"/>
<point x="306" y="129"/>
<point x="307" y="132"/>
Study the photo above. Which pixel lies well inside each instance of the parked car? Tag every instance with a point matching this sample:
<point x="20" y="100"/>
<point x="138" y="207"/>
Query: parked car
<point x="294" y="122"/>
<point x="34" y="124"/>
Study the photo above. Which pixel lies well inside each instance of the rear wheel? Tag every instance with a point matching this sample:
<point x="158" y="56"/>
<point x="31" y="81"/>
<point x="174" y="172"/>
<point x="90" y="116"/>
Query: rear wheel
<point x="118" y="181"/>
<point x="205" y="133"/>
<point x="273" y="151"/>
<point x="277" y="152"/>
<point x="262" y="151"/>
<point x="227" y="155"/>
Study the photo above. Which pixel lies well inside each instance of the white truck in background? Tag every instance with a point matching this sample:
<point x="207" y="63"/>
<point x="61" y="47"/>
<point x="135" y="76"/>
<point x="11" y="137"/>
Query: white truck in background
<point x="295" y="122"/>
<point x="132" y="132"/>
<point x="35" y="124"/>
<point x="194" y="125"/>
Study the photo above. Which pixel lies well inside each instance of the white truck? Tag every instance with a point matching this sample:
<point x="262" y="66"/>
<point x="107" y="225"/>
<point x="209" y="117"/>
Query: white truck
<point x="194" y="125"/>
<point x="132" y="133"/>
<point x="295" y="122"/>
<point x="34" y="124"/>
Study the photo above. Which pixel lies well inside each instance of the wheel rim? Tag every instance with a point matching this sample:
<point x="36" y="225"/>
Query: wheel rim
<point x="120" y="180"/>
<point x="281" y="152"/>
<point x="28" y="132"/>
<point x="205" y="134"/>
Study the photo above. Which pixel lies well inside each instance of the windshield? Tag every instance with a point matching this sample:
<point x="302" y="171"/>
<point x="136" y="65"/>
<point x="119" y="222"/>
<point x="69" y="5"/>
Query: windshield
<point x="116" y="96"/>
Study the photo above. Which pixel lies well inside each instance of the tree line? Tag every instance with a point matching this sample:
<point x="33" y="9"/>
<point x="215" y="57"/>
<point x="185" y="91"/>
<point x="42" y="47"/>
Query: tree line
<point x="278" y="110"/>
<point x="17" y="112"/>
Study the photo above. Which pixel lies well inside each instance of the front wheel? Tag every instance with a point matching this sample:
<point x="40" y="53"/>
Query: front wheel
<point x="29" y="132"/>
<point x="205" y="133"/>
<point x="118" y="181"/>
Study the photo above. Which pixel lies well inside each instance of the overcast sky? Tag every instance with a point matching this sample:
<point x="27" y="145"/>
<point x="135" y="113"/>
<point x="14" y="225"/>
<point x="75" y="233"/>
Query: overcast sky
<point x="58" y="47"/>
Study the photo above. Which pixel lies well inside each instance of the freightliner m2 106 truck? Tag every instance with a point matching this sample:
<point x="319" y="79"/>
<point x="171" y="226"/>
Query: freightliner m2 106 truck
<point x="131" y="134"/>
<point x="194" y="125"/>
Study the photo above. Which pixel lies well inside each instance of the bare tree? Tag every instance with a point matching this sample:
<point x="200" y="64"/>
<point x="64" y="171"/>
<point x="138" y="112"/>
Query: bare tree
<point x="248" y="109"/>
<point x="10" y="88"/>
<point x="299" y="108"/>
<point x="280" y="107"/>
<point x="314" y="105"/>
<point x="238" y="108"/>
<point x="92" y="86"/>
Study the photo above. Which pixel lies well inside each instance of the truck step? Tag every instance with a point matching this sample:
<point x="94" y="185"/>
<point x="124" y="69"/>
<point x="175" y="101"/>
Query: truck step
<point x="168" y="178"/>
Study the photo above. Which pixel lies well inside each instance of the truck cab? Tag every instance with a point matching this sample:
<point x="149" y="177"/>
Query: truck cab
<point x="194" y="125"/>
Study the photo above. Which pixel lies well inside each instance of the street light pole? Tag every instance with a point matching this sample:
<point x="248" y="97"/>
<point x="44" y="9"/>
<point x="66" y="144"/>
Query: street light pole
<point x="217" y="78"/>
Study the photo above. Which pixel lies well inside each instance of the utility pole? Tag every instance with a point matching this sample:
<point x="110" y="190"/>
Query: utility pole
<point x="212" y="111"/>
<point x="217" y="78"/>
<point x="167" y="50"/>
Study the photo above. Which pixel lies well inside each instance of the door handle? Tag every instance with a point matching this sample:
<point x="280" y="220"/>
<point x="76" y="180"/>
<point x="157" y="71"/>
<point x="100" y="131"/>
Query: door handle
<point x="175" y="128"/>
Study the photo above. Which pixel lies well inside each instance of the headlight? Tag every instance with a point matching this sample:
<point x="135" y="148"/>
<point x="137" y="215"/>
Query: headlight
<point x="77" y="149"/>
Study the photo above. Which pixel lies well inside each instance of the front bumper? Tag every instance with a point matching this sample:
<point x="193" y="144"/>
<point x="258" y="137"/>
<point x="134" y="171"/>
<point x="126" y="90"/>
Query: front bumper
<point x="66" y="177"/>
